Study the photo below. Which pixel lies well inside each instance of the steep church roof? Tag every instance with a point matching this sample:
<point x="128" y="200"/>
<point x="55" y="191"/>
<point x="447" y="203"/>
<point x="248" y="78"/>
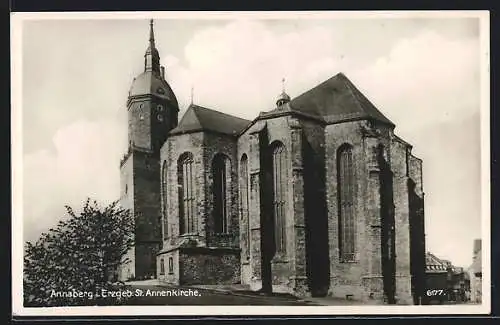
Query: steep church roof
<point x="337" y="100"/>
<point x="198" y="118"/>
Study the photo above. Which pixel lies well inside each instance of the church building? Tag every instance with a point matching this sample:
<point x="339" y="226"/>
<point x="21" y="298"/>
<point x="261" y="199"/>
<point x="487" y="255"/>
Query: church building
<point x="316" y="196"/>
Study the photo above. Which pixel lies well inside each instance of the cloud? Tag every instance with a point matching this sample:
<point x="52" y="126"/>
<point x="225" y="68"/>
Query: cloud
<point x="83" y="164"/>
<point x="238" y="68"/>
<point x="428" y="79"/>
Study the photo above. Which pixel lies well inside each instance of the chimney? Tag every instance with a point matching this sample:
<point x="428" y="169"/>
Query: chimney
<point x="163" y="72"/>
<point x="477" y="246"/>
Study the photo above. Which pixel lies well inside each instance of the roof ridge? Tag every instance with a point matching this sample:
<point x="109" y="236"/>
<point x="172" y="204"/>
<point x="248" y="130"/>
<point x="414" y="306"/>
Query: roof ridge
<point x="357" y="96"/>
<point x="337" y="99"/>
<point x="195" y="112"/>
<point x="324" y="82"/>
<point x="203" y="118"/>
<point x="185" y="115"/>
<point x="217" y="112"/>
<point x="350" y="86"/>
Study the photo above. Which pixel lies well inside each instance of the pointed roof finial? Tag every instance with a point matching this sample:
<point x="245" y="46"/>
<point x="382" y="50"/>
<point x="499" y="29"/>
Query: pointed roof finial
<point x="152" y="62"/>
<point x="192" y="94"/>
<point x="283" y="98"/>
<point x="151" y="34"/>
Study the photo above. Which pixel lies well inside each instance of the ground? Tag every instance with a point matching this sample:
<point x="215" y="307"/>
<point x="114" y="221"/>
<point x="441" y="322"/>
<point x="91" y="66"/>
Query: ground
<point x="209" y="297"/>
<point x="160" y="294"/>
<point x="218" y="296"/>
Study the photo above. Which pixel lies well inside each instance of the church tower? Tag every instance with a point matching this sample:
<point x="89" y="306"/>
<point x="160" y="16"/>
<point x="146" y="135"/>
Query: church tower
<point x="152" y="113"/>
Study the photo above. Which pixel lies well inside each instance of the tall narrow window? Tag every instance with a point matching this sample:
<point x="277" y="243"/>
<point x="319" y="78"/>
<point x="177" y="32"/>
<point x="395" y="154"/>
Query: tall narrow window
<point x="162" y="266"/>
<point x="245" y="216"/>
<point x="186" y="194"/>
<point x="220" y="173"/>
<point x="164" y="200"/>
<point x="346" y="188"/>
<point x="279" y="195"/>
<point x="170" y="265"/>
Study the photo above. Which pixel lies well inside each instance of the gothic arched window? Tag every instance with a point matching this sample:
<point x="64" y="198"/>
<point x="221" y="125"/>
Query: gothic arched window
<point x="280" y="180"/>
<point x="221" y="175"/>
<point x="346" y="190"/>
<point x="186" y="192"/>
<point x="244" y="213"/>
<point x="164" y="200"/>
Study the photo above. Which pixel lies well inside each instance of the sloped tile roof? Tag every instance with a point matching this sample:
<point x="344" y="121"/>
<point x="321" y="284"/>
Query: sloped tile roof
<point x="149" y="82"/>
<point x="334" y="100"/>
<point x="337" y="100"/>
<point x="198" y="118"/>
<point x="434" y="264"/>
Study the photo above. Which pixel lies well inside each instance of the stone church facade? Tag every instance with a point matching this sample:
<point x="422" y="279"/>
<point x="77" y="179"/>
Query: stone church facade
<point x="316" y="196"/>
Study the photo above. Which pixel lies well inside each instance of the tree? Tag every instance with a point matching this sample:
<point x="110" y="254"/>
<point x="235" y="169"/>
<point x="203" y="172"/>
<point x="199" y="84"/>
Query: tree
<point x="72" y="263"/>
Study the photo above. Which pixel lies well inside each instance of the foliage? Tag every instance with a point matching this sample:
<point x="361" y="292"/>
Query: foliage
<point x="78" y="257"/>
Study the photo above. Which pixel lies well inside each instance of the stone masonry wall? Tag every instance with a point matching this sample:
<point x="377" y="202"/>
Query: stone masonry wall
<point x="316" y="215"/>
<point x="244" y="221"/>
<point x="127" y="270"/>
<point x="149" y="121"/>
<point x="249" y="143"/>
<point x="147" y="197"/>
<point x="214" y="144"/>
<point x="140" y="194"/>
<point x="169" y="275"/>
<point x="417" y="226"/>
<point x="402" y="224"/>
<point x="145" y="260"/>
<point x="206" y="266"/>
<point x="282" y="267"/>
<point x="415" y="173"/>
<point x="288" y="272"/>
<point x="139" y="126"/>
<point x="147" y="209"/>
<point x="346" y="278"/>
<point x="171" y="152"/>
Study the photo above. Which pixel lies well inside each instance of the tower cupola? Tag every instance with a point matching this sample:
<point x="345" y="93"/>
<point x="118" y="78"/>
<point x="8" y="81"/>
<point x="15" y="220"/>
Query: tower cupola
<point x="152" y="105"/>
<point x="283" y="98"/>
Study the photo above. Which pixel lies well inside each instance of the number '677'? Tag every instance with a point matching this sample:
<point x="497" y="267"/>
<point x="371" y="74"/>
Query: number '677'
<point x="436" y="292"/>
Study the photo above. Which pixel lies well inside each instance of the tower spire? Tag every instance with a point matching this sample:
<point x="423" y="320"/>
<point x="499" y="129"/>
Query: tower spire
<point x="152" y="57"/>
<point x="151" y="34"/>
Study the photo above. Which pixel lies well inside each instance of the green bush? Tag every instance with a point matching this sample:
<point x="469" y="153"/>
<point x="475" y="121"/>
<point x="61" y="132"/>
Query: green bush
<point x="79" y="256"/>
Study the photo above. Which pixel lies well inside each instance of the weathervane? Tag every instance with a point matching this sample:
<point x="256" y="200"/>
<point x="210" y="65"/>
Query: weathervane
<point x="192" y="94"/>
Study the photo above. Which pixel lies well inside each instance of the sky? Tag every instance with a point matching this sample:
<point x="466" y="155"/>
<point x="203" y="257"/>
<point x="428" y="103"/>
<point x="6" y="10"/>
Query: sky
<point x="422" y="73"/>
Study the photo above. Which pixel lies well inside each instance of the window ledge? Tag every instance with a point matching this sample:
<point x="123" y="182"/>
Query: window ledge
<point x="349" y="262"/>
<point x="189" y="234"/>
<point x="280" y="258"/>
